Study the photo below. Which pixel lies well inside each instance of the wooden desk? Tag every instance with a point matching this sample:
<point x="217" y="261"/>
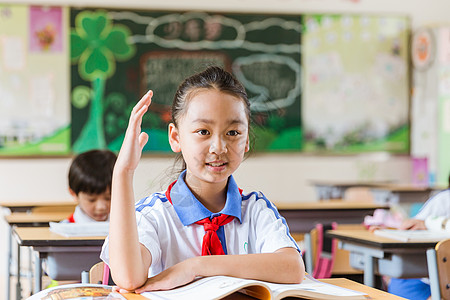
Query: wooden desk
<point x="25" y="219"/>
<point x="49" y="245"/>
<point x="329" y="189"/>
<point x="27" y="206"/>
<point x="374" y="294"/>
<point x="402" y="193"/>
<point x="375" y="254"/>
<point x="303" y="217"/>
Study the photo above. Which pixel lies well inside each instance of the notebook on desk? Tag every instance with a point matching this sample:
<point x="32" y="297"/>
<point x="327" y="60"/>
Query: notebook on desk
<point x="413" y="235"/>
<point x="80" y="229"/>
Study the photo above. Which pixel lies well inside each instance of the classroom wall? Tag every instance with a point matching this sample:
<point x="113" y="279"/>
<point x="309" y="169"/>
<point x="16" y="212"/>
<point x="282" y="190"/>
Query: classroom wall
<point x="46" y="177"/>
<point x="282" y="177"/>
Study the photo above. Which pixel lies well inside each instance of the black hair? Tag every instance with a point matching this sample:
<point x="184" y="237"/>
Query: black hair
<point x="213" y="77"/>
<point x="91" y="172"/>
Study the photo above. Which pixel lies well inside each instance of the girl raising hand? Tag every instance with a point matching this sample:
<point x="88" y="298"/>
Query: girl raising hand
<point x="203" y="224"/>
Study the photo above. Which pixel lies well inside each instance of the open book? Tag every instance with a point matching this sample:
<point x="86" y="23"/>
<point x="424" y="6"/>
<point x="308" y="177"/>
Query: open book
<point x="218" y="287"/>
<point x="78" y="291"/>
<point x="80" y="229"/>
<point x="413" y="235"/>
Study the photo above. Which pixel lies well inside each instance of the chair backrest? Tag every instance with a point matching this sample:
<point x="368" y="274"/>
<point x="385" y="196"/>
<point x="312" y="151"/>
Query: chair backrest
<point x="99" y="273"/>
<point x="341" y="265"/>
<point x="443" y="266"/>
<point x="325" y="251"/>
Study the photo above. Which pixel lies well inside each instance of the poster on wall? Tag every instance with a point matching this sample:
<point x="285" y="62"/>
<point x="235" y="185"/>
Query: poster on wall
<point x="117" y="55"/>
<point x="356" y="85"/>
<point x="34" y="66"/>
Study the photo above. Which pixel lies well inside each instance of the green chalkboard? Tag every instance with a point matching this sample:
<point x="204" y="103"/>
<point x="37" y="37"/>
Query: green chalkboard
<point x="117" y="55"/>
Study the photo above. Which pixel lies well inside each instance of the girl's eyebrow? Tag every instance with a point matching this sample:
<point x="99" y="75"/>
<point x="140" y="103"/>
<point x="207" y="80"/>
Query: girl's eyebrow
<point x="210" y="121"/>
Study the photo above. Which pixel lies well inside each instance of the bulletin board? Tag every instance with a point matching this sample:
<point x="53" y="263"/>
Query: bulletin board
<point x="34" y="81"/>
<point x="356" y="83"/>
<point x="144" y="50"/>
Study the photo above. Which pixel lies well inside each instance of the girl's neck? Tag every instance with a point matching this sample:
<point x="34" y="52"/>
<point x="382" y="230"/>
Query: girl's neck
<point x="212" y="195"/>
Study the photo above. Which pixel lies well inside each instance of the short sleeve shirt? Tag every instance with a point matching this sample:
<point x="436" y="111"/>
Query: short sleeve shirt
<point x="166" y="225"/>
<point x="436" y="206"/>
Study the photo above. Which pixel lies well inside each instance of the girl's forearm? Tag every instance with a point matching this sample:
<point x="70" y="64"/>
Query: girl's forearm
<point x="283" y="266"/>
<point x="129" y="264"/>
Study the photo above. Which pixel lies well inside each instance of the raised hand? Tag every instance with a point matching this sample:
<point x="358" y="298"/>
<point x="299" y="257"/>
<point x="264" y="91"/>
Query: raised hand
<point x="134" y="140"/>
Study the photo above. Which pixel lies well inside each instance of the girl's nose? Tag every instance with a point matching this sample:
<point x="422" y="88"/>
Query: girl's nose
<point x="218" y="146"/>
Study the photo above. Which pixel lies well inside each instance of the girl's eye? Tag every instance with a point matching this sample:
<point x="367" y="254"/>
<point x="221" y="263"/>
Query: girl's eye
<point x="233" y="132"/>
<point x="203" y="132"/>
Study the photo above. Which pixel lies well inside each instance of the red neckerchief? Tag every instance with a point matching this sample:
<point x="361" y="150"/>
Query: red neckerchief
<point x="71" y="219"/>
<point x="211" y="242"/>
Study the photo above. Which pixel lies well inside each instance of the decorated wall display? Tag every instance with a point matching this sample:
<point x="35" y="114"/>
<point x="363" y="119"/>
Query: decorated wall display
<point x="34" y="70"/>
<point x="117" y="55"/>
<point x="69" y="77"/>
<point x="356" y="91"/>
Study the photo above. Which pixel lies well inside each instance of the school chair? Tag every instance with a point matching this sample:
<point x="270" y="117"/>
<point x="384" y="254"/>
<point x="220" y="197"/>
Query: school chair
<point x="439" y="270"/>
<point x="99" y="273"/>
<point x="341" y="261"/>
<point x="325" y="251"/>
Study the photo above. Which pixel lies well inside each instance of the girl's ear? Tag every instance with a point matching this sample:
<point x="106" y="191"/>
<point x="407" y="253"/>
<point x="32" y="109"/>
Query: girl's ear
<point x="247" y="144"/>
<point x="174" y="138"/>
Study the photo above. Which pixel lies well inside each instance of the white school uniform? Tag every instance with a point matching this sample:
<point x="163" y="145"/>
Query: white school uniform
<point x="79" y="216"/>
<point x="168" y="231"/>
<point x="436" y="211"/>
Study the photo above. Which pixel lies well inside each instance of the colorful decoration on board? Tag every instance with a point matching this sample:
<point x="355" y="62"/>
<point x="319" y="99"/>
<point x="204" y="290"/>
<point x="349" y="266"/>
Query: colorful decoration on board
<point x="356" y="83"/>
<point x="34" y="111"/>
<point x="423" y="48"/>
<point x="96" y="45"/>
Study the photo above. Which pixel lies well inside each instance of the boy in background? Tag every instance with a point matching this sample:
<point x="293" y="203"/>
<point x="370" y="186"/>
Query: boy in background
<point x="90" y="177"/>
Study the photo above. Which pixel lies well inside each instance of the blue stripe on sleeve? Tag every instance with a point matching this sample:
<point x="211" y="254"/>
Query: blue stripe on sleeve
<point x="149" y="202"/>
<point x="278" y="216"/>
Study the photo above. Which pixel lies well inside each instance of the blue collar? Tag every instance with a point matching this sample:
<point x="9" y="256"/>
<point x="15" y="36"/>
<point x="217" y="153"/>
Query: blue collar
<point x="190" y="210"/>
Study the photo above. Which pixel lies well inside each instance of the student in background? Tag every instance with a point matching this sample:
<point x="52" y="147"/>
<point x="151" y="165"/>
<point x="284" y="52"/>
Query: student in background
<point x="169" y="238"/>
<point x="434" y="215"/>
<point x="90" y="176"/>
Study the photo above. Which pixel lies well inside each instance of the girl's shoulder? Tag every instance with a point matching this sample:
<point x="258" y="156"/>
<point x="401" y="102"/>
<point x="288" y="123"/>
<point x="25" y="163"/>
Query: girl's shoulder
<point x="155" y="201"/>
<point x="256" y="199"/>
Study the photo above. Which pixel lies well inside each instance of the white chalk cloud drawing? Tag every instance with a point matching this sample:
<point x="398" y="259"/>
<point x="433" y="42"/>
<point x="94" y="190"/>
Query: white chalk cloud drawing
<point x="275" y="54"/>
<point x="263" y="101"/>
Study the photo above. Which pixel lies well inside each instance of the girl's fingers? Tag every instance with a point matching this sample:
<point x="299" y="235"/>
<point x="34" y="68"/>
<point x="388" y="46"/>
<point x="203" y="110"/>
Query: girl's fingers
<point x="143" y="139"/>
<point x="145" y="100"/>
<point x="140" y="109"/>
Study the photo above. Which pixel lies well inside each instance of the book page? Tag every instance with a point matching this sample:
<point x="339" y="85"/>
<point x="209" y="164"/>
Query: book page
<point x="311" y="286"/>
<point x="80" y="229"/>
<point x="206" y="288"/>
<point x="78" y="292"/>
<point x="413" y="235"/>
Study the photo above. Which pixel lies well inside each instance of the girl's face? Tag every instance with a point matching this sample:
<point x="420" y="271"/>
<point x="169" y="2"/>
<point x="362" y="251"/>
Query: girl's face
<point x="212" y="136"/>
